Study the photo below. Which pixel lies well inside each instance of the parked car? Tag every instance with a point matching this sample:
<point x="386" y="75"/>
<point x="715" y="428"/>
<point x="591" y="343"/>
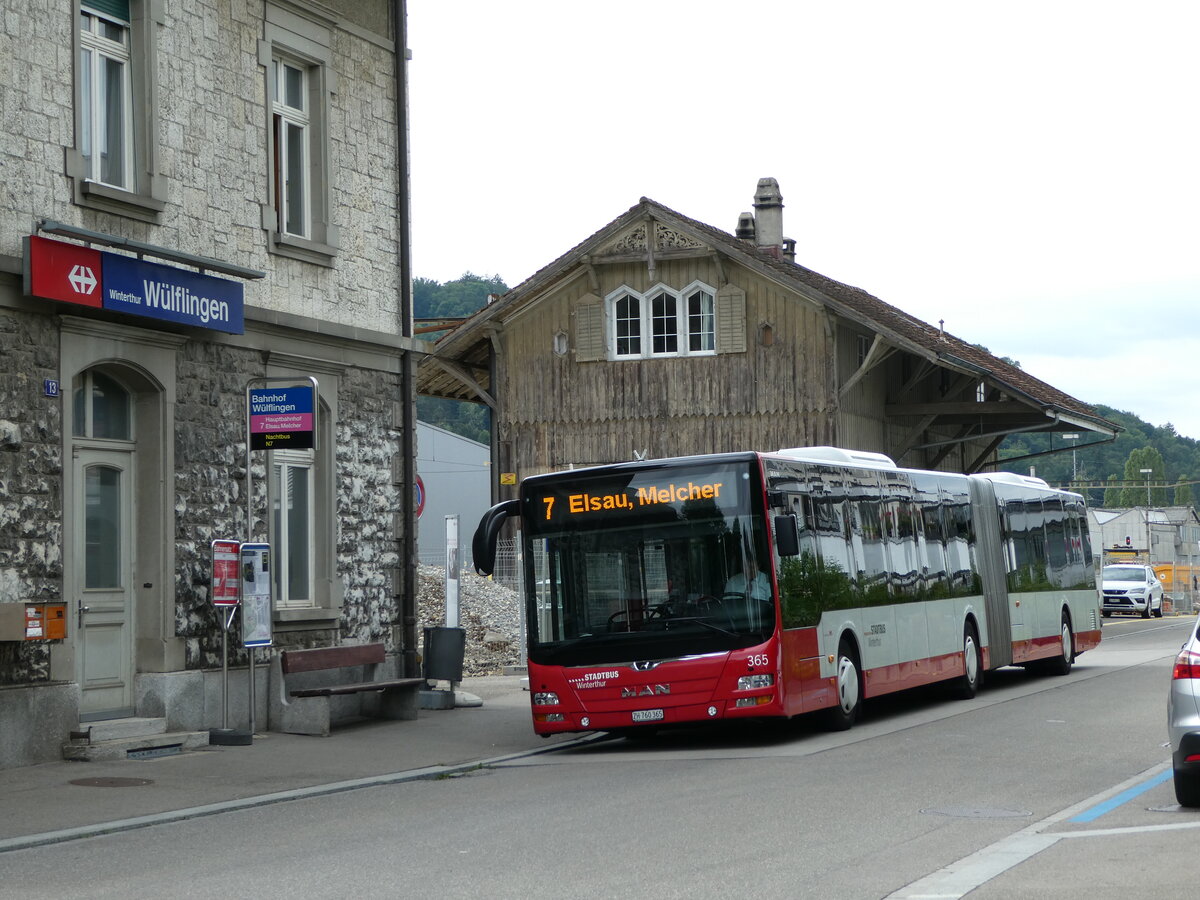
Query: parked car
<point x="1131" y="588"/>
<point x="1183" y="720"/>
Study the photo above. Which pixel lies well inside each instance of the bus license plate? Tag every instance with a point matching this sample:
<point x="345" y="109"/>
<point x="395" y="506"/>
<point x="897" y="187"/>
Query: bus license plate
<point x="647" y="715"/>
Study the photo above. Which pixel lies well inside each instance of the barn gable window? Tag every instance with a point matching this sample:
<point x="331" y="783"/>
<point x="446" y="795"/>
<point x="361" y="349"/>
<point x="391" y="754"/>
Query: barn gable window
<point x="662" y="322"/>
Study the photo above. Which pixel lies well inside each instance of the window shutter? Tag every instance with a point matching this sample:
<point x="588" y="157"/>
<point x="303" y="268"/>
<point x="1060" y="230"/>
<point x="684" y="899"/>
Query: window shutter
<point x="589" y="329"/>
<point x="118" y="9"/>
<point x="731" y="320"/>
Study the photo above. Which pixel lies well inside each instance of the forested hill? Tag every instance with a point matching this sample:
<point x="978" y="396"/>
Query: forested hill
<point x="1173" y="457"/>
<point x="453" y="300"/>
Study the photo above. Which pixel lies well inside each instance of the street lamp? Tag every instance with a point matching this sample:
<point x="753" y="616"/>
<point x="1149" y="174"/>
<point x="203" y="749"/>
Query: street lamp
<point x="1147" y="473"/>
<point x="1074" y="468"/>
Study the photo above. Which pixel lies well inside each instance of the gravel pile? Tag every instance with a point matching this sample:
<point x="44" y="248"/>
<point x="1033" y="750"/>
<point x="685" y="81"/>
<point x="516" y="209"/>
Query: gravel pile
<point x="489" y="612"/>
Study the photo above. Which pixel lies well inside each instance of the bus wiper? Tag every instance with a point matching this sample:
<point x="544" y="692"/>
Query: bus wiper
<point x="699" y="620"/>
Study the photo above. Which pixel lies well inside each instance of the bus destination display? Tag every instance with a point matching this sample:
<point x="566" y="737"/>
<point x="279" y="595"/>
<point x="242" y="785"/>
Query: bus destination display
<point x="656" y="493"/>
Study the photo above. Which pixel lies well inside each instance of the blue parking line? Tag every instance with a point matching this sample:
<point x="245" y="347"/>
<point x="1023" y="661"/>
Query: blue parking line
<point x="1124" y="797"/>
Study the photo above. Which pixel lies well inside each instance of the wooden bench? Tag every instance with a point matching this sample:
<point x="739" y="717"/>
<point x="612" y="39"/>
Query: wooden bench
<point x="318" y="688"/>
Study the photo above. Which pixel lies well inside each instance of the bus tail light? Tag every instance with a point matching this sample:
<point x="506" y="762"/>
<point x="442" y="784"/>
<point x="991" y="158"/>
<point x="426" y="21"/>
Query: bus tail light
<point x="1187" y="665"/>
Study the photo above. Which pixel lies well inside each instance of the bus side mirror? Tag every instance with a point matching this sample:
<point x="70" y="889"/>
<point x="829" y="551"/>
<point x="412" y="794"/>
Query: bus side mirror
<point x="787" y="535"/>
<point x="483" y="543"/>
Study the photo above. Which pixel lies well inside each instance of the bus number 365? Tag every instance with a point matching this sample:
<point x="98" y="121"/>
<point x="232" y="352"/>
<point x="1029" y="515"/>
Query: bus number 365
<point x="758" y="659"/>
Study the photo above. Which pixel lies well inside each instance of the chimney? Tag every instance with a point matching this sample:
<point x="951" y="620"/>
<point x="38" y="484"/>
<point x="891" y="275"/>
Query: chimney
<point x="768" y="216"/>
<point x="745" y="227"/>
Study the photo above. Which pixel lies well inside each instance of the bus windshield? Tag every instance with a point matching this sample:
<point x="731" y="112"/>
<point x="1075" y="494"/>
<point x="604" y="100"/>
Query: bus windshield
<point x="646" y="563"/>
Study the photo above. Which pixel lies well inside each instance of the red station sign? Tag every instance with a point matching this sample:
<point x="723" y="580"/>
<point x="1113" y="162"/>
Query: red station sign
<point x="226" y="576"/>
<point x="65" y="272"/>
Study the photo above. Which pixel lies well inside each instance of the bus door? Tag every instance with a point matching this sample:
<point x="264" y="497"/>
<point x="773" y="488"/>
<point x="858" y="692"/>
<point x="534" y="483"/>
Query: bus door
<point x="990" y="552"/>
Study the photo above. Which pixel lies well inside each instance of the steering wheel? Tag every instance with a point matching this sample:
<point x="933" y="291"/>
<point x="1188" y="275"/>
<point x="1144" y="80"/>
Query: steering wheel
<point x="717" y="607"/>
<point x="659" y="611"/>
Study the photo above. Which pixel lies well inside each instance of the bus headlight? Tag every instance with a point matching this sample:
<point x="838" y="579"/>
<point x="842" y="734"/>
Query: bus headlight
<point x="750" y="682"/>
<point x="545" y="698"/>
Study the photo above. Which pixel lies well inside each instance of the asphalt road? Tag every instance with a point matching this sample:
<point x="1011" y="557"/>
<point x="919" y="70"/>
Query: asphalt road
<point x="1040" y="786"/>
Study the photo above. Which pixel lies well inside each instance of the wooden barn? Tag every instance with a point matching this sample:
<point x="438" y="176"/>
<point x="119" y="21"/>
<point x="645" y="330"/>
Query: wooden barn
<point x="662" y="336"/>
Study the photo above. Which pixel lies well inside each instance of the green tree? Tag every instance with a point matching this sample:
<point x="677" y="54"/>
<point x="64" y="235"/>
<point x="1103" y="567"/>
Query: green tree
<point x="1146" y="457"/>
<point x="459" y="298"/>
<point x="454" y="299"/>
<point x="1112" y="495"/>
<point x="1183" y="492"/>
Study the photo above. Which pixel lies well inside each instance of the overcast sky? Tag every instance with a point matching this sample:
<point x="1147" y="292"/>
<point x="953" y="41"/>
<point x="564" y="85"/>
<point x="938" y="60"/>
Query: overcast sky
<point x="1027" y="171"/>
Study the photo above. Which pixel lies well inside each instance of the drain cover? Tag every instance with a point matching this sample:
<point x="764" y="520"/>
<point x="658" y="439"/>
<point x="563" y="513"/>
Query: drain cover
<point x="976" y="812"/>
<point x="111" y="782"/>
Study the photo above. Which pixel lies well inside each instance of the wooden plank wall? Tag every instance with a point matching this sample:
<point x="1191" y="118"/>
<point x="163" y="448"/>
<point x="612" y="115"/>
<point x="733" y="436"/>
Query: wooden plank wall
<point x="556" y="412"/>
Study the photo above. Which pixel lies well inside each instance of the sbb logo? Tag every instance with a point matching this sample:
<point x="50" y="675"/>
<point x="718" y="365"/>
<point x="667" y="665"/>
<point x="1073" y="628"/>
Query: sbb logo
<point x="82" y="279"/>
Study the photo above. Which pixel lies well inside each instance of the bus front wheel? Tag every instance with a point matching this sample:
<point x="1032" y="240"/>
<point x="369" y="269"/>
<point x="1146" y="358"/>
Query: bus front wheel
<point x="848" y="681"/>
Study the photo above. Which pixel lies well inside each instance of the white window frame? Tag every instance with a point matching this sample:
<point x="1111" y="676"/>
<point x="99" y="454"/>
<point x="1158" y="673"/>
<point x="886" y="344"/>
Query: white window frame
<point x="283" y="543"/>
<point x="708" y="299"/>
<point x="664" y="326"/>
<point x="96" y="52"/>
<point x="142" y="193"/>
<point x="290" y="125"/>
<point x="304" y="43"/>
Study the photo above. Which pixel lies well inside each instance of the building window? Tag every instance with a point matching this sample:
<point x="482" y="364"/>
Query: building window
<point x="627" y="318"/>
<point x="701" y="324"/>
<point x="105" y="97"/>
<point x="679" y="323"/>
<point x="296" y="53"/>
<point x="289" y="128"/>
<point x="114" y="163"/>
<point x="292" y="527"/>
<point x="862" y="345"/>
<point x="664" y="325"/>
<point x="103" y="408"/>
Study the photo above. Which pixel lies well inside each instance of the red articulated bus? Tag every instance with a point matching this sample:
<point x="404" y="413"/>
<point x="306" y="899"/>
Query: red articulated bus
<point x="664" y="592"/>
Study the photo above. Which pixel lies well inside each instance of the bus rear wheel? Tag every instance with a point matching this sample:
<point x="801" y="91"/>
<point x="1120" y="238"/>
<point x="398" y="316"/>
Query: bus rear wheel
<point x="848" y="678"/>
<point x="967" y="684"/>
<point x="1061" y="664"/>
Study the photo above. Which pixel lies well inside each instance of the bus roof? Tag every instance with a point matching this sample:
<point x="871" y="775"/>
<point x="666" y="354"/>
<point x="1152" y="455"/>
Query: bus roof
<point x="829" y="456"/>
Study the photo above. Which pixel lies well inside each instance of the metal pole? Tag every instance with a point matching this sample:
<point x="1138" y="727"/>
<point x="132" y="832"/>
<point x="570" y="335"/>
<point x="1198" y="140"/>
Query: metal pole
<point x="1147" y="473"/>
<point x="524" y="661"/>
<point x="224" y="675"/>
<point x="250" y="538"/>
<point x="250" y="655"/>
<point x="406" y="604"/>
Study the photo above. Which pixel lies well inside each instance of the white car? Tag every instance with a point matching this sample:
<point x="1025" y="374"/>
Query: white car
<point x="1131" y="588"/>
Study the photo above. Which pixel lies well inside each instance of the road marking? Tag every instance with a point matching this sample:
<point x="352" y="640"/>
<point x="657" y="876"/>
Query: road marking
<point x="1124" y="797"/>
<point x="961" y="877"/>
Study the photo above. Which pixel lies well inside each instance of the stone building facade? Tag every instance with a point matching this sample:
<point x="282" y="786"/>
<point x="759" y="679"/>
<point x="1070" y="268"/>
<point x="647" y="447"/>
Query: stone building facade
<point x="251" y="148"/>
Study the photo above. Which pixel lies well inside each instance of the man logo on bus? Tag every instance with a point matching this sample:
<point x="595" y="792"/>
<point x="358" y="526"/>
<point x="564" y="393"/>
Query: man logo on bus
<point x="645" y="690"/>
